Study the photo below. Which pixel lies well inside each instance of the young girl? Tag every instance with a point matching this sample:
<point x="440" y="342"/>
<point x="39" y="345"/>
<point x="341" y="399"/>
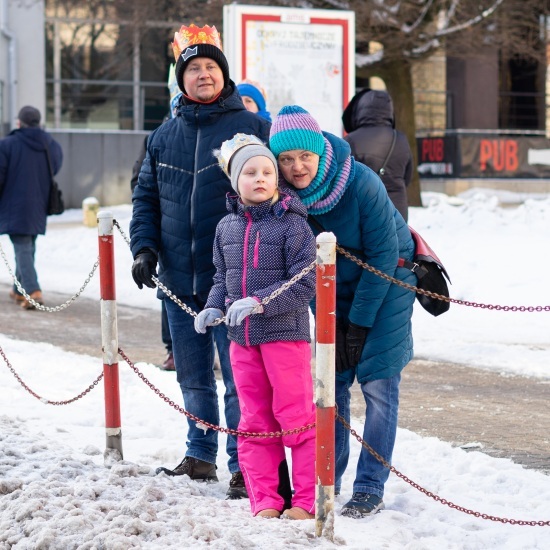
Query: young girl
<point x="261" y="244"/>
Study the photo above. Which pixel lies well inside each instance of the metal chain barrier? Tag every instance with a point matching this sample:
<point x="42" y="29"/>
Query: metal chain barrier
<point x="412" y="288"/>
<point x="433" y="495"/>
<point x="368" y="267"/>
<point x="42" y="307"/>
<point x="187" y="309"/>
<point x="202" y="423"/>
<point x="43" y="399"/>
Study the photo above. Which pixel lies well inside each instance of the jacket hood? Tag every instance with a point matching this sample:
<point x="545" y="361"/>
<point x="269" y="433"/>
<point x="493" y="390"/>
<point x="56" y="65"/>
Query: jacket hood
<point x="369" y="108"/>
<point x="35" y="138"/>
<point x="288" y="202"/>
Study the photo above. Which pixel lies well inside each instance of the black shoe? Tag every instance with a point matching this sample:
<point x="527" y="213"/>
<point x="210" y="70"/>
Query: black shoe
<point x="237" y="488"/>
<point x="362" y="505"/>
<point x="196" y="469"/>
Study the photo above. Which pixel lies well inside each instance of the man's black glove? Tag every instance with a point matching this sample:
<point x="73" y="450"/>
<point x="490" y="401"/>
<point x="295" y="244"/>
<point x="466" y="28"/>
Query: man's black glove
<point x="355" y="342"/>
<point x="342" y="363"/>
<point x="143" y="268"/>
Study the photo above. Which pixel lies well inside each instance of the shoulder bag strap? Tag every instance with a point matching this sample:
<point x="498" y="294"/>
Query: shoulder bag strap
<point x="49" y="162"/>
<point x="382" y="170"/>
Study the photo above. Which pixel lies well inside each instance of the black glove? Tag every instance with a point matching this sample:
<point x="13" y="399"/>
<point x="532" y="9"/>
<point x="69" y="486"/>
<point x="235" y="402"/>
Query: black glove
<point x="356" y="337"/>
<point x="144" y="267"/>
<point x="342" y="363"/>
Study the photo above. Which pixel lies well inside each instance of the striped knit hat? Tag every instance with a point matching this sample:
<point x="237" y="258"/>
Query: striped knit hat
<point x="295" y="128"/>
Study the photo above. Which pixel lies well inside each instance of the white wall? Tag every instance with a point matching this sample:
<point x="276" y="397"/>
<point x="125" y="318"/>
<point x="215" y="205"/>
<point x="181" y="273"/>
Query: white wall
<point x="24" y="21"/>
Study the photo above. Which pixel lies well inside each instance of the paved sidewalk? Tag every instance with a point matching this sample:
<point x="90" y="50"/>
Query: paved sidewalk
<point x="507" y="416"/>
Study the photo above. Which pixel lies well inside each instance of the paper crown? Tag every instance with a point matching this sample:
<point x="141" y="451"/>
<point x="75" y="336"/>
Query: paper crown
<point x="193" y="35"/>
<point x="231" y="146"/>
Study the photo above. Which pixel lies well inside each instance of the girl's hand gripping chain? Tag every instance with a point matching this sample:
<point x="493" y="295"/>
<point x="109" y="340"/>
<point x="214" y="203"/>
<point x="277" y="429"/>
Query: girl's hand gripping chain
<point x="206" y="318"/>
<point x="240" y="309"/>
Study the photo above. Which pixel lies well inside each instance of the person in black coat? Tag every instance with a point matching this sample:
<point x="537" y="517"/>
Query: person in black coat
<point x="370" y="123"/>
<point x="25" y="183"/>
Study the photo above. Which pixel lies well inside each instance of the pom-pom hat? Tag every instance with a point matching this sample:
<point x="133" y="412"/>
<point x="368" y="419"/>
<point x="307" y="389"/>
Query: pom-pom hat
<point x="236" y="151"/>
<point x="190" y="42"/>
<point x="295" y="128"/>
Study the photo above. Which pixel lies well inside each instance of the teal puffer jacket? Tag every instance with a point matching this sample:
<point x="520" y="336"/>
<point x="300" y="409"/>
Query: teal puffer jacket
<point x="366" y="221"/>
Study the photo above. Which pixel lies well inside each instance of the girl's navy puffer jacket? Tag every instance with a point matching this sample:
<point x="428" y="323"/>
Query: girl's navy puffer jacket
<point x="180" y="195"/>
<point x="256" y="250"/>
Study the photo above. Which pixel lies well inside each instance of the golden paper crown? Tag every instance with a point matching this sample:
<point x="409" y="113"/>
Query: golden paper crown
<point x="193" y="35"/>
<point x="231" y="146"/>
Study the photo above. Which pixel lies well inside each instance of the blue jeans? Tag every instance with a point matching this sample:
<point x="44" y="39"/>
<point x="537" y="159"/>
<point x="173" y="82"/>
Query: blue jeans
<point x="194" y="360"/>
<point x="382" y="401"/>
<point x="24" y="247"/>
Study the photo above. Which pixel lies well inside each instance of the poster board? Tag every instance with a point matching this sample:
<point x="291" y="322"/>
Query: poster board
<point x="300" y="56"/>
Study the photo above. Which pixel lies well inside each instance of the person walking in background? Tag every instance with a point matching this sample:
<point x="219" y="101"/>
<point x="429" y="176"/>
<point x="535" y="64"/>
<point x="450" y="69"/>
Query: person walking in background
<point x="177" y="203"/>
<point x="254" y="98"/>
<point x="374" y="141"/>
<point x="373" y="317"/>
<point x="25" y="183"/>
<point x="261" y="244"/>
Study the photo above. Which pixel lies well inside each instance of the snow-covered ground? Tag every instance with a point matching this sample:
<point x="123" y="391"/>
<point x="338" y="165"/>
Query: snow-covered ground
<point x="56" y="493"/>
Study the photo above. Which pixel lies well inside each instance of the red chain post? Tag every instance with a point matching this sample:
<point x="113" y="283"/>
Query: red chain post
<point x="109" y="338"/>
<point x="325" y="384"/>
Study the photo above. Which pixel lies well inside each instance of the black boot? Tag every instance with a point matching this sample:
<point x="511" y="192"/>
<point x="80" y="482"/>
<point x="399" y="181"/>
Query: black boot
<point x="196" y="469"/>
<point x="237" y="488"/>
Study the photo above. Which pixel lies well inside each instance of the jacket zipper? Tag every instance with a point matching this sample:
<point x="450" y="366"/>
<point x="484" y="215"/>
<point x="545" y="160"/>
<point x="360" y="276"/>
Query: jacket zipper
<point x="193" y="193"/>
<point x="245" y="272"/>
<point x="257" y="250"/>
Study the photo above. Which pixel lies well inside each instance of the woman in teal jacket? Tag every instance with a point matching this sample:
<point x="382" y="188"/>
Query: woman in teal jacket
<point x="374" y="332"/>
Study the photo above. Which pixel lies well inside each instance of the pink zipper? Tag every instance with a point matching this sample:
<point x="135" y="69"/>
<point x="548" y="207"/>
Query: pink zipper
<point x="257" y="249"/>
<point x="245" y="270"/>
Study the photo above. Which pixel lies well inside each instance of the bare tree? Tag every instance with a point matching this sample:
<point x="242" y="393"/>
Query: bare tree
<point x="411" y="30"/>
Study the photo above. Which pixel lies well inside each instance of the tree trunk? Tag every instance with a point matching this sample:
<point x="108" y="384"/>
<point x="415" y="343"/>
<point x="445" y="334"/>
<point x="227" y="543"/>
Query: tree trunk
<point x="397" y="76"/>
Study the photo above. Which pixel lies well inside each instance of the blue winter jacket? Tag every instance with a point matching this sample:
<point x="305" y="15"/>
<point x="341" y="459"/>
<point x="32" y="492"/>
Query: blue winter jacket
<point x="256" y="250"/>
<point x="180" y="195"/>
<point x="366" y="221"/>
<point x="25" y="180"/>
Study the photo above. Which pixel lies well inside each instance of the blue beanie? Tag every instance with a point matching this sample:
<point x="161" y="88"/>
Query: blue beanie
<point x="295" y="128"/>
<point x="253" y="92"/>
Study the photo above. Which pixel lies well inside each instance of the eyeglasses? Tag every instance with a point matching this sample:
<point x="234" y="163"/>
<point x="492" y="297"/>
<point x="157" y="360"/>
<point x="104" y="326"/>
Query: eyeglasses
<point x="305" y="158"/>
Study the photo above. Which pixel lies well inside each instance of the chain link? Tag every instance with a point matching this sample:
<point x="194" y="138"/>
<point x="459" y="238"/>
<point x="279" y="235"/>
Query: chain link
<point x="433" y="295"/>
<point x="42" y="307"/>
<point x="433" y="496"/>
<point x="202" y="423"/>
<point x="43" y="399"/>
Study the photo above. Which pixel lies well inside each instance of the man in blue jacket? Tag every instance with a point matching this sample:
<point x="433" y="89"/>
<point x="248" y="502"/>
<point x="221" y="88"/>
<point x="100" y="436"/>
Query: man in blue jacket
<point x="177" y="203"/>
<point x="25" y="183"/>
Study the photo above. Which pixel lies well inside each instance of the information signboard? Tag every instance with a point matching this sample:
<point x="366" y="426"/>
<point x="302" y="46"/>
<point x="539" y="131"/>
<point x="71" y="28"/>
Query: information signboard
<point x="300" y="56"/>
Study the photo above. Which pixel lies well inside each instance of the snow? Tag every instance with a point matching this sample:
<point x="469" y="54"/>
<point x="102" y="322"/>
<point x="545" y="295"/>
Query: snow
<point x="55" y="491"/>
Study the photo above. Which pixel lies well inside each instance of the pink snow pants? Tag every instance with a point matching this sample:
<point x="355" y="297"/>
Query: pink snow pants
<point x="275" y="390"/>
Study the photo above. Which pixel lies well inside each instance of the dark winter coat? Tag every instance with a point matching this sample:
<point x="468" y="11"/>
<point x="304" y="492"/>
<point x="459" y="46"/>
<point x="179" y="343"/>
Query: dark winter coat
<point x="25" y="180"/>
<point x="256" y="250"/>
<point x="180" y="195"/>
<point x="369" y="121"/>
<point x="365" y="222"/>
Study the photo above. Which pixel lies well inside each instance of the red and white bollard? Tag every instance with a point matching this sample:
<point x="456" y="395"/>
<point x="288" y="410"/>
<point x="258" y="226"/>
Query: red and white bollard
<point x="109" y="339"/>
<point x="325" y="324"/>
